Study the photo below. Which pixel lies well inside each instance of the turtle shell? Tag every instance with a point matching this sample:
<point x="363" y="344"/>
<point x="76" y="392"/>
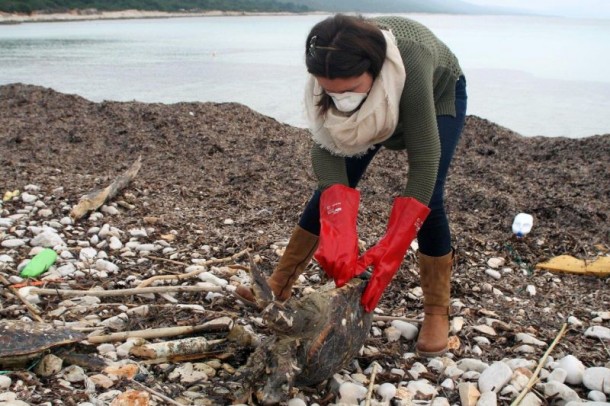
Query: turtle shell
<point x="20" y="341"/>
<point x="314" y="337"/>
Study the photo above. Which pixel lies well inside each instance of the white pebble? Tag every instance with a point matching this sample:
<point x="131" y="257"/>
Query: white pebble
<point x="87" y="254"/>
<point x="296" y="402"/>
<point x="597" y="396"/>
<point x="493" y="273"/>
<point x="488" y="399"/>
<point x="13" y="243"/>
<point x="351" y="393"/>
<point x="496" y="262"/>
<point x="558" y="375"/>
<point x="597" y="378"/>
<point x="574" y="368"/>
<point x="138" y="232"/>
<point x="601" y="332"/>
<point x="407" y="330"/>
<point x="528" y="339"/>
<point x="49" y="239"/>
<point x="387" y="391"/>
<point x="5" y="382"/>
<point x="495" y="377"/>
<point x="115" y="243"/>
<point x="531" y="290"/>
<point x="28" y="198"/>
<point x="74" y="373"/>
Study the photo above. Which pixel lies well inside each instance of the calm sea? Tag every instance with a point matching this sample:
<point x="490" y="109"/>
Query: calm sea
<point x="534" y="75"/>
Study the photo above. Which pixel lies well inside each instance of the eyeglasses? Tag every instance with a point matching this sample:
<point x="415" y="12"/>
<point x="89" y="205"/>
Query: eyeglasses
<point x="312" y="47"/>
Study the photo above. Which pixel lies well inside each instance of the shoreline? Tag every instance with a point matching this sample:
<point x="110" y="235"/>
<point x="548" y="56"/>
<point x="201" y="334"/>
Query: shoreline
<point x="94" y="15"/>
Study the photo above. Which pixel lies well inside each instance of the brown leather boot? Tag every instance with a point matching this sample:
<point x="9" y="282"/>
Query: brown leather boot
<point x="298" y="254"/>
<point x="435" y="278"/>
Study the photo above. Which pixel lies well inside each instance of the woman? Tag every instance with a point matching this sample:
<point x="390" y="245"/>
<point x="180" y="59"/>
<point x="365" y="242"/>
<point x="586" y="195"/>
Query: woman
<point x="382" y="82"/>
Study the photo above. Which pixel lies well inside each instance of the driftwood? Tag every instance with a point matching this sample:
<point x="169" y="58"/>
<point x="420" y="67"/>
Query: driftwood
<point x="221" y="324"/>
<point x="94" y="200"/>
<point x="125" y="292"/>
<point x="169" y="349"/>
<point x="193" y="274"/>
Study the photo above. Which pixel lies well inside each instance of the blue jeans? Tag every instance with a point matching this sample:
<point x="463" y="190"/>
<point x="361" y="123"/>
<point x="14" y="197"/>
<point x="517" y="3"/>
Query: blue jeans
<point x="434" y="237"/>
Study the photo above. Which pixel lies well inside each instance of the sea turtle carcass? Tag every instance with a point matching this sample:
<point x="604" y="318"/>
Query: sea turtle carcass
<point x="312" y="338"/>
<point x="22" y="341"/>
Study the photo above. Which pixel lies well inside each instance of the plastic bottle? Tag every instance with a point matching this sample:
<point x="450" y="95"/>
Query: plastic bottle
<point x="522" y="224"/>
<point x="40" y="263"/>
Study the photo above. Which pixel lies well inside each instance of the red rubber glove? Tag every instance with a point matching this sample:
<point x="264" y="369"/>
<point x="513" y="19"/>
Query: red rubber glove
<point x="406" y="219"/>
<point x="338" y="246"/>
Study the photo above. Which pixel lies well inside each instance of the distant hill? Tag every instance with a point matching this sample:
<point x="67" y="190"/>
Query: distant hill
<point x="398" y="6"/>
<point x="54" y="6"/>
<point x="361" y="6"/>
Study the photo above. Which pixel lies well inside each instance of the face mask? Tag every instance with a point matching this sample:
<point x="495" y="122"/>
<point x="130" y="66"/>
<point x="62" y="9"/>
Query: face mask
<point x="347" y="101"/>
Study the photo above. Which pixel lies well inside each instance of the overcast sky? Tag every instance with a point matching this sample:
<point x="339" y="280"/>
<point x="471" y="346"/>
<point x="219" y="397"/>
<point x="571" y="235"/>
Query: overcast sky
<point x="570" y="8"/>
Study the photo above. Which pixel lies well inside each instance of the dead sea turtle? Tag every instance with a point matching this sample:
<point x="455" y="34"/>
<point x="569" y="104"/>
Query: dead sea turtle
<point x="22" y="341"/>
<point x="313" y="337"/>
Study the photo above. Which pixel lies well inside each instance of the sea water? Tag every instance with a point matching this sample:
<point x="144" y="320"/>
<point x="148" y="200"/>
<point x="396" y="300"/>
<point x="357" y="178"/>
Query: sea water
<point x="534" y="75"/>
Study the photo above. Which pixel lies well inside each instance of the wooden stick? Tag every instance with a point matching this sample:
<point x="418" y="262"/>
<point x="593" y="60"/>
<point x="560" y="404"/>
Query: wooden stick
<point x="369" y="393"/>
<point x="162" y="332"/>
<point x="193" y="274"/>
<point x="169" y="349"/>
<point x="171" y="261"/>
<point x="126" y="292"/>
<point x="155" y="393"/>
<point x="534" y="377"/>
<point x="33" y="311"/>
<point x="392" y="318"/>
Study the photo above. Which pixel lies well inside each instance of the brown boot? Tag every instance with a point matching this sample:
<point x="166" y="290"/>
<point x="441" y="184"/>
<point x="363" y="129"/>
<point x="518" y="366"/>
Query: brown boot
<point x="298" y="254"/>
<point x="435" y="278"/>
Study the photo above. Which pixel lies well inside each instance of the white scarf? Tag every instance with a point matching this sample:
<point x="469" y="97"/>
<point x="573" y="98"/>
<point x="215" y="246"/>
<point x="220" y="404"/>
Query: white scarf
<point x="374" y="122"/>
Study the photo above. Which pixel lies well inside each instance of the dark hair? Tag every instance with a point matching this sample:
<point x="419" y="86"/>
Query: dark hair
<point x="344" y="46"/>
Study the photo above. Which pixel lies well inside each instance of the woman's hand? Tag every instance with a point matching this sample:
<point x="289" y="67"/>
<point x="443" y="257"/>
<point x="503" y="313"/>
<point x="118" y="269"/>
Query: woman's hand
<point x="406" y="219"/>
<point x="338" y="247"/>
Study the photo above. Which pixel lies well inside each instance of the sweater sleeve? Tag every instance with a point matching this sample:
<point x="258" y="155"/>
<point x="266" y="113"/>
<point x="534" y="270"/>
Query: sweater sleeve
<point x="328" y="168"/>
<point x="420" y="129"/>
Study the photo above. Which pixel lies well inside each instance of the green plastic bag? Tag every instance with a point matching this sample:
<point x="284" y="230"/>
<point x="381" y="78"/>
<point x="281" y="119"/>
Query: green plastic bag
<point x="40" y="263"/>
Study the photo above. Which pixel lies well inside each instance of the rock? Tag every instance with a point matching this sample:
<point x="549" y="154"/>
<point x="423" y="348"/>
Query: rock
<point x="28" y="198"/>
<point x="47" y="239"/>
<point x="488" y="399"/>
<point x="115" y="243"/>
<point x="495" y="377"/>
<point x="597" y="396"/>
<point x="110" y="210"/>
<point x="66" y="270"/>
<point x="351" y="393"/>
<point x="531" y="290"/>
<point x="102" y="381"/>
<point x="74" y="373"/>
<point x="601" y="332"/>
<point x="472" y="364"/>
<point x="387" y="391"/>
<point x="561" y="391"/>
<point x="456" y="325"/>
<point x="528" y="339"/>
<point x="187" y="374"/>
<point x="422" y="389"/>
<point x="107" y="266"/>
<point x="116" y="323"/>
<point x="392" y="334"/>
<point x="597" y="378"/>
<point x="87" y="254"/>
<point x="13" y="243"/>
<point x="531" y="400"/>
<point x="49" y="366"/>
<point x="558" y="375"/>
<point x="132" y="398"/>
<point x="5" y="382"/>
<point x="6" y="259"/>
<point x="469" y="394"/>
<point x="493" y="273"/>
<point x="296" y="402"/>
<point x="496" y="262"/>
<point x="138" y="233"/>
<point x="520" y="379"/>
<point x="485" y="330"/>
<point x="45" y="213"/>
<point x="574" y="369"/>
<point x="407" y="330"/>
<point x="127" y="370"/>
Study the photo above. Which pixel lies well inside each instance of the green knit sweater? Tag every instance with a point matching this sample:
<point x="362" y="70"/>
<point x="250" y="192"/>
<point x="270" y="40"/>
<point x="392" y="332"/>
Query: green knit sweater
<point x="432" y="71"/>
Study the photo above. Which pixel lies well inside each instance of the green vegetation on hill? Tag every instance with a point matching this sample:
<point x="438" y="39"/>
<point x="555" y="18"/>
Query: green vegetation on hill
<point x="53" y="6"/>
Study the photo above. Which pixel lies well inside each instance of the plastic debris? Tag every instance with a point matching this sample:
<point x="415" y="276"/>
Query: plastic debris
<point x="40" y="263"/>
<point x="569" y="264"/>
